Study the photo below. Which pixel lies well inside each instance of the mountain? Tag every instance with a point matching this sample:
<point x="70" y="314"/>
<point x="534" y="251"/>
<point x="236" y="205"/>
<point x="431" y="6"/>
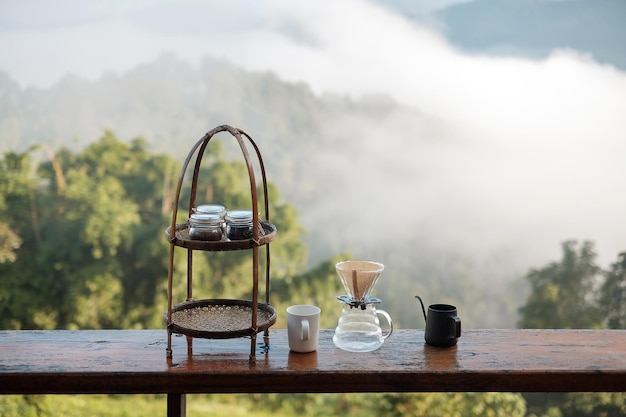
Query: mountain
<point x="526" y="28"/>
<point x="534" y="28"/>
<point x="341" y="162"/>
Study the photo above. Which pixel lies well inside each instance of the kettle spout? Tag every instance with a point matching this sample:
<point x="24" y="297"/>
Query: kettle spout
<point x="422" y="304"/>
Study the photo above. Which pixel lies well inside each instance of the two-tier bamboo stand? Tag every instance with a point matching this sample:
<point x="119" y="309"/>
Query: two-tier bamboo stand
<point x="221" y="318"/>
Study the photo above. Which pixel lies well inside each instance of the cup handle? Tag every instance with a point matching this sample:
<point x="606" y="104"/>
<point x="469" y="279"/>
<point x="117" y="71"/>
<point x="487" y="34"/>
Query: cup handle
<point x="388" y="318"/>
<point x="457" y="326"/>
<point x="305" y="330"/>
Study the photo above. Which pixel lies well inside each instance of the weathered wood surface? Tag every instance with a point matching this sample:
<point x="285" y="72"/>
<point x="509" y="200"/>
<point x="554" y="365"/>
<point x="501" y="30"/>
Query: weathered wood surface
<point x="134" y="361"/>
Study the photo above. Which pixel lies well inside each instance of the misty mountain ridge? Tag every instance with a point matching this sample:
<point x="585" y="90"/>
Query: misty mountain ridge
<point x="306" y="141"/>
<point x="454" y="212"/>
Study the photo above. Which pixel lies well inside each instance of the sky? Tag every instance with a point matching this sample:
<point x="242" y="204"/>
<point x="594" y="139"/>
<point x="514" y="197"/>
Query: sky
<point x="41" y="41"/>
<point x="529" y="144"/>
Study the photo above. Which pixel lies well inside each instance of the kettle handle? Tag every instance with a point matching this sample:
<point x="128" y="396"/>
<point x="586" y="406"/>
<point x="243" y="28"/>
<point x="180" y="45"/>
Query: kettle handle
<point x="422" y="303"/>
<point x="388" y="318"/>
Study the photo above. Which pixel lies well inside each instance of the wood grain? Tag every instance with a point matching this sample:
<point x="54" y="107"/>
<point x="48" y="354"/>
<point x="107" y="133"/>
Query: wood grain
<point x="134" y="361"/>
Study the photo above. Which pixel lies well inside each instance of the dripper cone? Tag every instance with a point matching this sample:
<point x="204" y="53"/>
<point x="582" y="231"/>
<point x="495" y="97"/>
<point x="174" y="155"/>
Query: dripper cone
<point x="358" y="277"/>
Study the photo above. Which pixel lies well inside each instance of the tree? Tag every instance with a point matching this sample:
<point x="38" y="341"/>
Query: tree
<point x="19" y="221"/>
<point x="605" y="404"/>
<point x="450" y="404"/>
<point x="16" y="186"/>
<point x="562" y="293"/>
<point x="73" y="220"/>
<point x="613" y="294"/>
<point x="9" y="242"/>
<point x="318" y="286"/>
<point x="565" y="294"/>
<point x="467" y="404"/>
<point x="93" y="252"/>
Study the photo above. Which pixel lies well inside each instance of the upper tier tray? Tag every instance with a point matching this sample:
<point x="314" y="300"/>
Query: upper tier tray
<point x="181" y="238"/>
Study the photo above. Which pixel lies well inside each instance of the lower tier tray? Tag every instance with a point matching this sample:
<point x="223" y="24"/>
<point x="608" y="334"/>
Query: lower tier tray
<point x="219" y="318"/>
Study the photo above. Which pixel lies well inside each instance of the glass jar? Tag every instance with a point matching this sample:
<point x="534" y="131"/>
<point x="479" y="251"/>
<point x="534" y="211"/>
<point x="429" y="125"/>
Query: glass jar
<point x="239" y="224"/>
<point x="205" y="227"/>
<point x="211" y="209"/>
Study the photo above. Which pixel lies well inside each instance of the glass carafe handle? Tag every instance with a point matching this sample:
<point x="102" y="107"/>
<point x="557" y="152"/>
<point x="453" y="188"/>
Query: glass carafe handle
<point x="388" y="318"/>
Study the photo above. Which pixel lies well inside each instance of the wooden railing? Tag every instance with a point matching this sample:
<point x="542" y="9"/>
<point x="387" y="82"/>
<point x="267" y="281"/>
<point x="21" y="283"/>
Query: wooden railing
<point x="134" y="361"/>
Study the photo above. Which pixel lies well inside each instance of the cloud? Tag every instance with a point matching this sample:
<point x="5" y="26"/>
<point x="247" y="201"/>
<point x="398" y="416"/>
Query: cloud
<point x="528" y="151"/>
<point x="517" y="140"/>
<point x="495" y="154"/>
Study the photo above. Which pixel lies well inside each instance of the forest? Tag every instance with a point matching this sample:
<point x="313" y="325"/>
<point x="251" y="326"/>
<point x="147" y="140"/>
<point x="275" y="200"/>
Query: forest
<point x="82" y="246"/>
<point x="366" y="174"/>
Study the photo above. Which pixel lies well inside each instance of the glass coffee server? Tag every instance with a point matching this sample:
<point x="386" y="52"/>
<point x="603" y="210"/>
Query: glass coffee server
<point x="221" y="318"/>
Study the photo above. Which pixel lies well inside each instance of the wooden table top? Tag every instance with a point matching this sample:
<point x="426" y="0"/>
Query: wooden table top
<point x="134" y="361"/>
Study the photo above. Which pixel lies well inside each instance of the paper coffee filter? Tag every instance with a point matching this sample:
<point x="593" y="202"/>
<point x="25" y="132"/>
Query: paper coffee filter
<point x="359" y="277"/>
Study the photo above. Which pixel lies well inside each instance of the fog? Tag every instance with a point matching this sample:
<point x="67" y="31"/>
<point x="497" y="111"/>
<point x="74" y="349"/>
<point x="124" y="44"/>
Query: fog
<point x="495" y="157"/>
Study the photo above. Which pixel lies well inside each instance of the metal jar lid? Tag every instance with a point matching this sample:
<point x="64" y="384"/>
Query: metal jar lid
<point x="210" y="209"/>
<point x="239" y="217"/>
<point x="201" y="219"/>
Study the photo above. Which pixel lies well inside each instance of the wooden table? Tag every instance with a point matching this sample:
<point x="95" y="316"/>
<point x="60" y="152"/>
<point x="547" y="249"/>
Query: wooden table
<point x="134" y="361"/>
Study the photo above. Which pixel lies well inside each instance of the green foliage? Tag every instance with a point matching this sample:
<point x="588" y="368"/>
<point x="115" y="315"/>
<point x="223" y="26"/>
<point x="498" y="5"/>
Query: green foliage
<point x="562" y="292"/>
<point x="453" y="404"/>
<point x="24" y="406"/>
<point x="576" y="293"/>
<point x="576" y="404"/>
<point x="87" y="245"/>
<point x="613" y="294"/>
<point x="605" y="404"/>
<point x="16" y="188"/>
<point x="318" y="286"/>
<point x="9" y="242"/>
<point x="78" y="234"/>
<point x="389" y="404"/>
<point x="121" y="406"/>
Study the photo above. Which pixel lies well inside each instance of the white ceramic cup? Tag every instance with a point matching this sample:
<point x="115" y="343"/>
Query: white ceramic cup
<point x="303" y="327"/>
